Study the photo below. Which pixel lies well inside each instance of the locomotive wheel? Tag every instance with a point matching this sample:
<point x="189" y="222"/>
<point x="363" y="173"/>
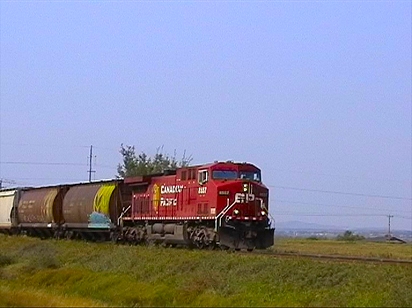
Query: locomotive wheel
<point x="200" y="238"/>
<point x="57" y="234"/>
<point x="133" y="236"/>
<point x="69" y="235"/>
<point x="114" y="237"/>
<point x="150" y="242"/>
<point x="168" y="245"/>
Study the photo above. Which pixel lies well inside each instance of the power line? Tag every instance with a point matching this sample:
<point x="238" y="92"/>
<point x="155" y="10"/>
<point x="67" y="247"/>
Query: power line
<point x="56" y="179"/>
<point x="329" y="215"/>
<point x="44" y="145"/>
<point x="274" y="186"/>
<point x="105" y="166"/>
<point x="40" y="163"/>
<point x="403" y="217"/>
<point x="336" y="205"/>
<point x="336" y="215"/>
<point x="347" y="177"/>
<point x="340" y="192"/>
<point x="56" y="146"/>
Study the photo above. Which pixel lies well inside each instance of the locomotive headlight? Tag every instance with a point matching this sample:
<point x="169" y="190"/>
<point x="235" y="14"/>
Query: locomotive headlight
<point x="263" y="213"/>
<point x="245" y="187"/>
<point x="236" y="212"/>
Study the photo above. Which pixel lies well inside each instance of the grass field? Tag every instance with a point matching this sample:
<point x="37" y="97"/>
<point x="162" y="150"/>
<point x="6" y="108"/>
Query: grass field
<point x="73" y="273"/>
<point x="354" y="248"/>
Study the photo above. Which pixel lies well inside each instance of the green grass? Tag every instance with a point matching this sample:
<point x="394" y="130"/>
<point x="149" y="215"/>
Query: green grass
<point x="73" y="273"/>
<point x="351" y="248"/>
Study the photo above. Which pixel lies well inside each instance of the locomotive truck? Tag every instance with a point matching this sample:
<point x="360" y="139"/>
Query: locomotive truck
<point x="221" y="204"/>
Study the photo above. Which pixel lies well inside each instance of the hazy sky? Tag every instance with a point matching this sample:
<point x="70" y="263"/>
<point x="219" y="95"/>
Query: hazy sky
<point x="315" y="93"/>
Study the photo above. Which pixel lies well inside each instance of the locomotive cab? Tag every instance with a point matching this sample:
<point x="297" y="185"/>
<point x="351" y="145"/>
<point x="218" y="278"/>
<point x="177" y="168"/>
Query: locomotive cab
<point x="242" y="217"/>
<point x="240" y="192"/>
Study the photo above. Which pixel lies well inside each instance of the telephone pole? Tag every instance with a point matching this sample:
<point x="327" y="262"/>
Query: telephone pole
<point x="90" y="164"/>
<point x="6" y="181"/>
<point x="389" y="225"/>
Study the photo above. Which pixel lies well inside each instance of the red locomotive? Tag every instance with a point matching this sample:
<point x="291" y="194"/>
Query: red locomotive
<point x="223" y="203"/>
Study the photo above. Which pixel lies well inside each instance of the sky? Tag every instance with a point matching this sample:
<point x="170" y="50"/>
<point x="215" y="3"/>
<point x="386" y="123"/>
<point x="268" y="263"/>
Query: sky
<point x="315" y="93"/>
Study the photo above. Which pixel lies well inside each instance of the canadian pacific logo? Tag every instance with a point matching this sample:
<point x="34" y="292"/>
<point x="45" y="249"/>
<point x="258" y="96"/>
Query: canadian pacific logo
<point x="172" y="189"/>
<point x="159" y="191"/>
<point x="156" y="197"/>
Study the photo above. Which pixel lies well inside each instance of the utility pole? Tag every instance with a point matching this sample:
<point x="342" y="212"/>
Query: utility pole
<point x="389" y="225"/>
<point x="6" y="181"/>
<point x="90" y="164"/>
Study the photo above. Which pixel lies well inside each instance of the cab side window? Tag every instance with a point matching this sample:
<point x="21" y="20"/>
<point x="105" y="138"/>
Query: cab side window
<point x="183" y="175"/>
<point x="203" y="176"/>
<point x="192" y="174"/>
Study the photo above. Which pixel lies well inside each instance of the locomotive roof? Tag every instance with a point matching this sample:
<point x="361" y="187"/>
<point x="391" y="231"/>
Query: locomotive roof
<point x="215" y="163"/>
<point x="145" y="179"/>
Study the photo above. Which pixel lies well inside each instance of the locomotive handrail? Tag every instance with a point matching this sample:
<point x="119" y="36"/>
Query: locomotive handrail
<point x="223" y="212"/>
<point x="263" y="206"/>
<point x="122" y="214"/>
<point x="229" y="206"/>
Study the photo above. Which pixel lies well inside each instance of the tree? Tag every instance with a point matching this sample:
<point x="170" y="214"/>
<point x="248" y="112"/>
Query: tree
<point x="349" y="236"/>
<point x="142" y="164"/>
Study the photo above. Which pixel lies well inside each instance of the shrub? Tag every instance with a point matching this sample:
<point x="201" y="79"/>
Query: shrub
<point x="349" y="236"/>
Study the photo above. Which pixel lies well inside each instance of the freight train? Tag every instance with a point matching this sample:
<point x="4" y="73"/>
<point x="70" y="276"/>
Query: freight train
<point x="221" y="204"/>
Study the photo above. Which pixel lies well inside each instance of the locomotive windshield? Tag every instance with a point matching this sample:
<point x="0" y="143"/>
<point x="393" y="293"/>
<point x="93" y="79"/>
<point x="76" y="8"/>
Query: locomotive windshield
<point x="224" y="175"/>
<point x="233" y="175"/>
<point x="250" y="175"/>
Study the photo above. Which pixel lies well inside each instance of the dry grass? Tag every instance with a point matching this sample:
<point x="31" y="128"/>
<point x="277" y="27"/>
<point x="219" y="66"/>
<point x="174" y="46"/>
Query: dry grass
<point x="73" y="273"/>
<point x="18" y="296"/>
<point x="356" y="248"/>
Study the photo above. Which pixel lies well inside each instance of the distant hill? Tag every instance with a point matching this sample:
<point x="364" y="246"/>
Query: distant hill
<point x="301" y="226"/>
<point x="384" y="230"/>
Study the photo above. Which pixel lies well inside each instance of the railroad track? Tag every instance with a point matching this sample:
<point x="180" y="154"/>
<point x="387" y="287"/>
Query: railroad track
<point x="333" y="257"/>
